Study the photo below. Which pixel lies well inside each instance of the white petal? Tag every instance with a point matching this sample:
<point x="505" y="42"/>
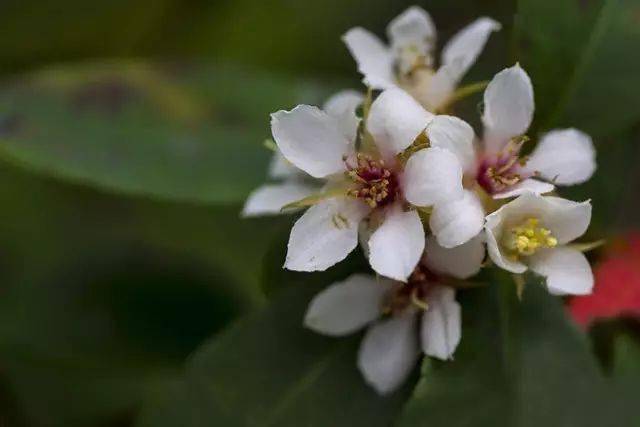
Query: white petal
<point x="527" y="186"/>
<point x="270" y="198"/>
<point x="325" y="234"/>
<point x="431" y="176"/>
<point x="566" y="157"/>
<point x="281" y="168"/>
<point x="455" y="135"/>
<point x="413" y="27"/>
<point x="567" y="270"/>
<point x="441" y="323"/>
<point x="365" y="231"/>
<point x="501" y="260"/>
<point x="567" y="219"/>
<point x="374" y="59"/>
<point x="389" y="352"/>
<point x="494" y="225"/>
<point x="311" y="140"/>
<point x="464" y="48"/>
<point x="457" y="221"/>
<point x="342" y="106"/>
<point x="460" y="262"/>
<point x="347" y="306"/>
<point x="345" y="100"/>
<point x="508" y="104"/>
<point x="395" y="120"/>
<point x="397" y="245"/>
<point x="440" y="87"/>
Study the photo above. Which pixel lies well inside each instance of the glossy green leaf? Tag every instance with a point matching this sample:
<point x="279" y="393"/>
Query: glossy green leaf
<point x="580" y="57"/>
<point x="606" y="97"/>
<point x="552" y="39"/>
<point x="190" y="133"/>
<point x="269" y="371"/>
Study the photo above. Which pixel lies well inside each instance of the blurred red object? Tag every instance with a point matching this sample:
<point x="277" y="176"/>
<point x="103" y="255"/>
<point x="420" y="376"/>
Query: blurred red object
<point x="617" y="285"/>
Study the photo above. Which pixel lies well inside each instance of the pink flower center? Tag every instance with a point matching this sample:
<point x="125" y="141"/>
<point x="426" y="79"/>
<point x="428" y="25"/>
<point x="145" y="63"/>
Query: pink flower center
<point x="375" y="184"/>
<point x="500" y="172"/>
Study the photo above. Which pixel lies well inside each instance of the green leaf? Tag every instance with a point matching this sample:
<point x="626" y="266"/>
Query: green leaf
<point x="554" y="39"/>
<point x="85" y="340"/>
<point x="579" y="56"/>
<point x="269" y="371"/>
<point x="74" y="359"/>
<point x="519" y="364"/>
<point x="607" y="96"/>
<point x="624" y="381"/>
<point x="179" y="133"/>
<point x="626" y="365"/>
<point x="102" y="297"/>
<point x="171" y="405"/>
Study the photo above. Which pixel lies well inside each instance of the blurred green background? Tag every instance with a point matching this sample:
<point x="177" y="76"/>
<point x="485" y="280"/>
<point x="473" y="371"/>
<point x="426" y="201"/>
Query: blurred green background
<point x="131" y="132"/>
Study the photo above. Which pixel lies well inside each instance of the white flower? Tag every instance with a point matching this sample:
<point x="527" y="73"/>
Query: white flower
<point x="563" y="156"/>
<point x="294" y="184"/>
<point x="456" y="220"/>
<point x="403" y="319"/>
<point x="377" y="185"/>
<point x="532" y="232"/>
<point x="409" y="62"/>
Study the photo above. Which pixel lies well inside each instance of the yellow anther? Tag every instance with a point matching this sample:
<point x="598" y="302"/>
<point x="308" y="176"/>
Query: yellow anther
<point x="416" y="301"/>
<point x="339" y="221"/>
<point x="529" y="237"/>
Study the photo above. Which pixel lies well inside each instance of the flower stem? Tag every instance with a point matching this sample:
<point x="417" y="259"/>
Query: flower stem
<point x="464" y="92"/>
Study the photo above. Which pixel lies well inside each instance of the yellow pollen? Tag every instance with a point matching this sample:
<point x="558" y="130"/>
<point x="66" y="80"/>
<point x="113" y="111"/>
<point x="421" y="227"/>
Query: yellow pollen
<point x="528" y="237"/>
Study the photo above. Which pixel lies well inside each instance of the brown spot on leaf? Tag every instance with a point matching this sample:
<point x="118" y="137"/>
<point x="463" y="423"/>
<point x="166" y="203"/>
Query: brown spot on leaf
<point x="10" y="125"/>
<point x="108" y="96"/>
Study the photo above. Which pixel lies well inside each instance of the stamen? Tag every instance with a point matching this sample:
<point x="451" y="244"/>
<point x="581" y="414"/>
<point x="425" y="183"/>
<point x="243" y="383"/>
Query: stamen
<point x="417" y="301"/>
<point x="339" y="221"/>
<point x="504" y="170"/>
<point x="413" y="293"/>
<point x="376" y="184"/>
<point x="508" y="165"/>
<point x="527" y="238"/>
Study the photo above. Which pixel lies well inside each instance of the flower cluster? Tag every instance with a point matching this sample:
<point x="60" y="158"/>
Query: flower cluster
<point x="423" y="196"/>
